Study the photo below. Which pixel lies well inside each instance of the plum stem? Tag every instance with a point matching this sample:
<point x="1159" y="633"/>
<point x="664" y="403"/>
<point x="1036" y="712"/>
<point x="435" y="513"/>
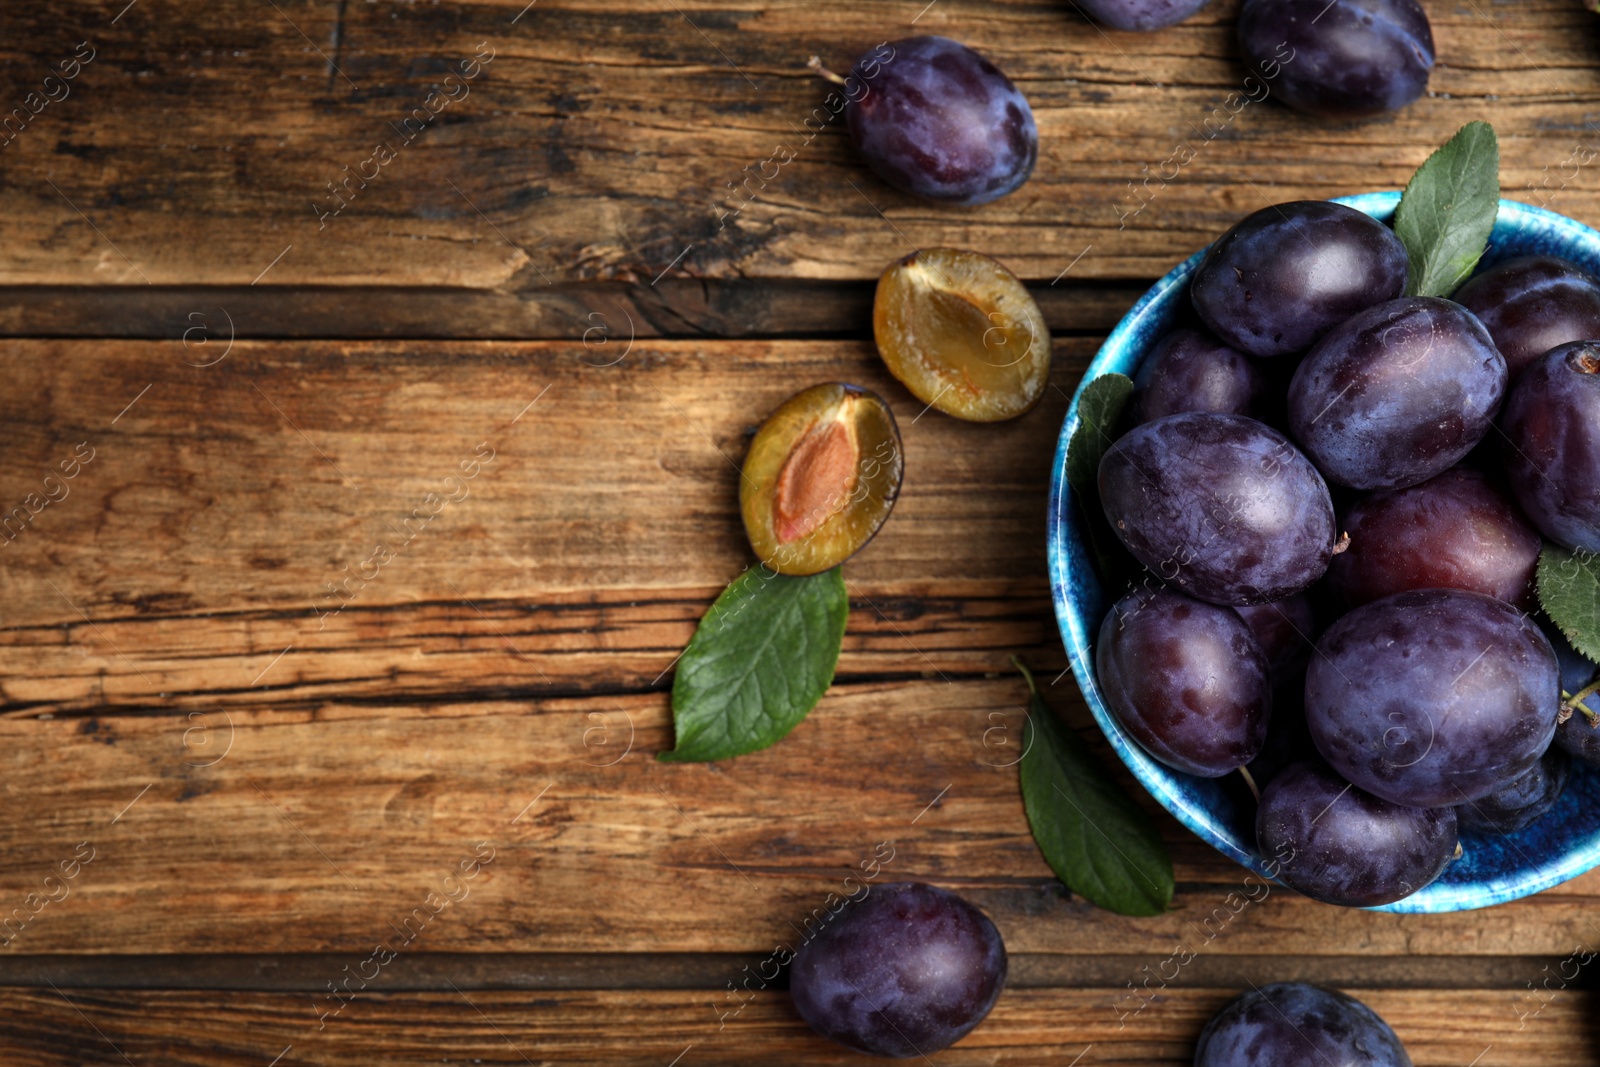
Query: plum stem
<point x="1572" y="703"/>
<point x="1343" y="544"/>
<point x="1249" y="780"/>
<point x="815" y="63"/>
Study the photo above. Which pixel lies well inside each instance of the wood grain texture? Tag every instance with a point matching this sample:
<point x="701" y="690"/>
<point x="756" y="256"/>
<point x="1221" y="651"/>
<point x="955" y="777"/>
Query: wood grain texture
<point x="231" y="513"/>
<point x="323" y="830"/>
<point x="1027" y="1027"/>
<point x="603" y="141"/>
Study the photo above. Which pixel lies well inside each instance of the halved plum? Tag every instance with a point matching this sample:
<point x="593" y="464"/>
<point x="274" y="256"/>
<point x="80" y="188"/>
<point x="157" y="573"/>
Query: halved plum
<point x="821" y="476"/>
<point x="962" y="333"/>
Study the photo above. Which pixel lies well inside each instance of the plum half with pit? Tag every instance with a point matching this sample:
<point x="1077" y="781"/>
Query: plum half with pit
<point x="820" y="478"/>
<point x="904" y="971"/>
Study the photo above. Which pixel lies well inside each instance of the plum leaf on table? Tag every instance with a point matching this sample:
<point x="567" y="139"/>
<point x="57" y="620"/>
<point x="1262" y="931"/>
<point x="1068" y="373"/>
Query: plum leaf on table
<point x="759" y="661"/>
<point x="1098" y="841"/>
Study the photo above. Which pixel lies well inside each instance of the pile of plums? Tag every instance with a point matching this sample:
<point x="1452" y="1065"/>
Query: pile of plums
<point x="1316" y="445"/>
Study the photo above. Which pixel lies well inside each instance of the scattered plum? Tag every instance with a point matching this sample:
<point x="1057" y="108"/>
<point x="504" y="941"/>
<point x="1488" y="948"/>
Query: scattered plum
<point x="935" y="119"/>
<point x="1339" y="59"/>
<point x="1284" y="1023"/>
<point x="904" y="971"/>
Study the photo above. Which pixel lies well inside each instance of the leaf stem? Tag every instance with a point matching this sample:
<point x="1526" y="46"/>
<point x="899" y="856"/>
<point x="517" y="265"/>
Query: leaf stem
<point x="1249" y="780"/>
<point x="1033" y="689"/>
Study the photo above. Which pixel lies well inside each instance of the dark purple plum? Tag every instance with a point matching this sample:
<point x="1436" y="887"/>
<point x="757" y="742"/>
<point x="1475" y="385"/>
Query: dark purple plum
<point x="1339" y="59"/>
<point x="935" y="119"/>
<point x="1457" y="530"/>
<point x="1580" y="734"/>
<point x="1140" y="14"/>
<point x="905" y="971"/>
<point x="1519" y="802"/>
<point x="1286" y="275"/>
<point x="1532" y="304"/>
<point x="1185" y="678"/>
<point x="1291" y="1023"/>
<point x="1220" y="506"/>
<point x="1286" y="630"/>
<point x="1188" y="370"/>
<point x="1397" y="394"/>
<point x="1552" y="428"/>
<point x="1340" y="845"/>
<point x="1434" y="697"/>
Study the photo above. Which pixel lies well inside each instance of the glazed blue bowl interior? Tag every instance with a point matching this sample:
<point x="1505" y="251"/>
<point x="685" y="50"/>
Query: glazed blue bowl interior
<point x="1559" y="846"/>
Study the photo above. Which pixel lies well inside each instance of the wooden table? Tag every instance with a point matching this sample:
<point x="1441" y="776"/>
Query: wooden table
<point x="261" y="746"/>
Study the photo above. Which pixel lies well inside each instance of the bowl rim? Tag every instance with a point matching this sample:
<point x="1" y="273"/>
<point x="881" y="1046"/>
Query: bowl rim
<point x="1433" y="898"/>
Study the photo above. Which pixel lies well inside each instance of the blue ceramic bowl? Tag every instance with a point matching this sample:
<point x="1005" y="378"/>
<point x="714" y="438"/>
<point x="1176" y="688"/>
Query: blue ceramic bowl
<point x="1563" y="844"/>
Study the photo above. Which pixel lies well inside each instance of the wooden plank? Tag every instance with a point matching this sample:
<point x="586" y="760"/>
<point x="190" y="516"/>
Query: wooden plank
<point x="604" y="315"/>
<point x="323" y="831"/>
<point x="49" y="1028"/>
<point x="190" y="562"/>
<point x="436" y="971"/>
<point x="602" y="141"/>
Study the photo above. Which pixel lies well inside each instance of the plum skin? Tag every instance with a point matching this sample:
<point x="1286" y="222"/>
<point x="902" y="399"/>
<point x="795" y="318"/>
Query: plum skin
<point x="1433" y="697"/>
<point x="1189" y="371"/>
<point x="939" y="121"/>
<point x="904" y="970"/>
<point x="1140" y="14"/>
<point x="1347" y="58"/>
<point x="1397" y="394"/>
<point x="1273" y="1025"/>
<point x="1187" y="679"/>
<point x="1220" y="506"/>
<point x="1552" y="426"/>
<point x="1532" y="304"/>
<point x="1457" y="530"/>
<point x="1283" y="276"/>
<point x="1341" y="845"/>
<point x="1519" y="802"/>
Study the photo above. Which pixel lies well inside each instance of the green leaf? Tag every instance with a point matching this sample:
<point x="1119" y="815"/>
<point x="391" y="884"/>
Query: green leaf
<point x="1448" y="210"/>
<point x="1096" y="839"/>
<point x="1569" y="592"/>
<point x="1098" y="411"/>
<point x="760" y="659"/>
